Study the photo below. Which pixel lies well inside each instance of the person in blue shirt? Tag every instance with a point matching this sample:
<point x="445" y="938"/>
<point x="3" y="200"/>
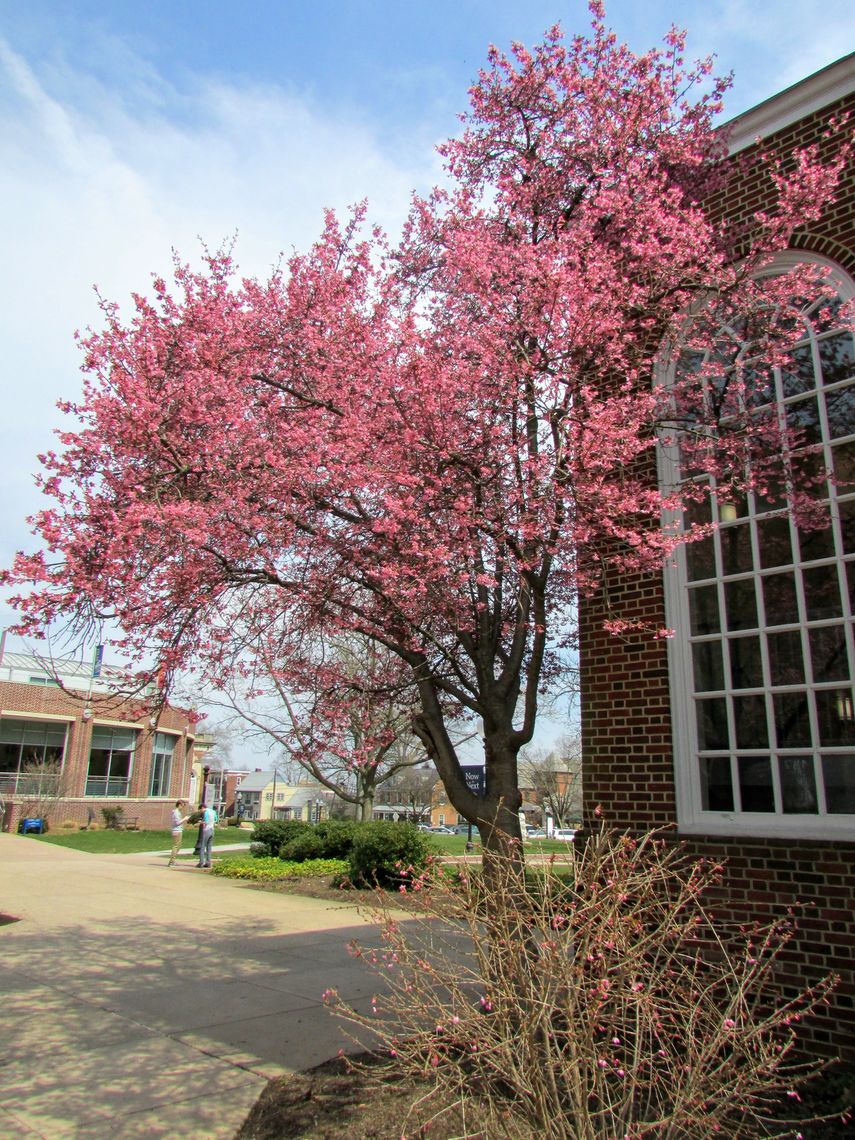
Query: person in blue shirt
<point x="209" y="818"/>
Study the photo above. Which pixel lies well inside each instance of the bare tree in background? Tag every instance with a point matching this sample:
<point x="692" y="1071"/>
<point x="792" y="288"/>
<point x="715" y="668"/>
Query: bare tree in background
<point x="553" y="777"/>
<point x="348" y="723"/>
<point x="42" y="784"/>
<point x="413" y="788"/>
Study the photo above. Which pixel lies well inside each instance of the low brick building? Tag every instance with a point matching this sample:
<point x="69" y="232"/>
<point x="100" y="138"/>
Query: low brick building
<point x="102" y="750"/>
<point x="739" y="731"/>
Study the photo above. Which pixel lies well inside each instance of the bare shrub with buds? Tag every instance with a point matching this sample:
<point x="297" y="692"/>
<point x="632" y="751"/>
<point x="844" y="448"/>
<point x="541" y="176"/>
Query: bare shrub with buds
<point x="601" y="1000"/>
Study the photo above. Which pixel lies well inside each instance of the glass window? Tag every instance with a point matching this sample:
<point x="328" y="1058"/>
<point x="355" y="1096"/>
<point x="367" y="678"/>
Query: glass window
<point x="25" y="745"/>
<point x="768" y="656"/>
<point x="110" y="759"/>
<point x="755" y="784"/>
<point x="161" y="763"/>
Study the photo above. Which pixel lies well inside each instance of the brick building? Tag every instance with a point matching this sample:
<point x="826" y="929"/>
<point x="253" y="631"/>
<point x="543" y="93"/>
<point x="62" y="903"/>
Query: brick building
<point x="108" y="749"/>
<point x="740" y="729"/>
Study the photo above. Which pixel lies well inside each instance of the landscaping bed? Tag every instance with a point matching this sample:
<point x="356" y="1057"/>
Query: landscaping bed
<point x="364" y="1097"/>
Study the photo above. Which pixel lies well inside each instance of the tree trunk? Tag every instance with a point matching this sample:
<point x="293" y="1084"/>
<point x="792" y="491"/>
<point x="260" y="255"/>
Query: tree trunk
<point x="366" y="807"/>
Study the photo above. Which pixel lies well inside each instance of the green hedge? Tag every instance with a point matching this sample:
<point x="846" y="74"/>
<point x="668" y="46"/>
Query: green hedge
<point x="269" y="836"/>
<point x="377" y="853"/>
<point x="387" y="854"/>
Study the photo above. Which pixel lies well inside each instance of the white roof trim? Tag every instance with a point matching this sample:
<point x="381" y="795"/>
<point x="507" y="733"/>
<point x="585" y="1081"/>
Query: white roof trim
<point x="796" y="102"/>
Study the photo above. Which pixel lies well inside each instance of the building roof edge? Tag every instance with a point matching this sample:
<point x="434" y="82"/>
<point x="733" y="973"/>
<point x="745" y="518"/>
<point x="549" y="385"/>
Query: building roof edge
<point x="819" y="90"/>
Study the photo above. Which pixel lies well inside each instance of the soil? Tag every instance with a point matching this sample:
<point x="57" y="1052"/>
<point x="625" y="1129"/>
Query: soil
<point x="366" y="1098"/>
<point x="362" y="1098"/>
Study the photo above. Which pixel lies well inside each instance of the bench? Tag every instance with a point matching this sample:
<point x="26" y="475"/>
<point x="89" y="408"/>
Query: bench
<point x="130" y="823"/>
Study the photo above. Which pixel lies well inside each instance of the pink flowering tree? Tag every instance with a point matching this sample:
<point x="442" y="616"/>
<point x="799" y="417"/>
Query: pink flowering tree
<point x="437" y="445"/>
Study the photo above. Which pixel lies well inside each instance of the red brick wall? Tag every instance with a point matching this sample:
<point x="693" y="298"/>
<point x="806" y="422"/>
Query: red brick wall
<point x="628" y="760"/>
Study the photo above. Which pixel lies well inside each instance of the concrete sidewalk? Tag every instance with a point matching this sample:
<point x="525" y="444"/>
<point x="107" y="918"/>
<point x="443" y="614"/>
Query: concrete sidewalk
<point x="136" y="1000"/>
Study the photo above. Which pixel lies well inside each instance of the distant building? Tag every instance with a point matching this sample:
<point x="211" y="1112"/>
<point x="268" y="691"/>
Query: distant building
<point x="265" y="795"/>
<point x="99" y="748"/>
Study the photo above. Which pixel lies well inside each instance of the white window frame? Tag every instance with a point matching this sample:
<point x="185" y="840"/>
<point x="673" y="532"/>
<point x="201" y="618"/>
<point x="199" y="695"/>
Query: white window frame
<point x="170" y="759"/>
<point x="691" y="818"/>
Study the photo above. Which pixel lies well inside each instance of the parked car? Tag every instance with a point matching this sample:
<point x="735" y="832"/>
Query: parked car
<point x="463" y="829"/>
<point x="568" y="834"/>
<point x="441" y="830"/>
<point x="535" y="833"/>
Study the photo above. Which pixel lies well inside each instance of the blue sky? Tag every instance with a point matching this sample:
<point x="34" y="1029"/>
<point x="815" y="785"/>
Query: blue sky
<point x="129" y="129"/>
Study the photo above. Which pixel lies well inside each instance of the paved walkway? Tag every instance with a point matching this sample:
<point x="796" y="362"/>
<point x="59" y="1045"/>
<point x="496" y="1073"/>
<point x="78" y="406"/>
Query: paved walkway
<point x="136" y="1000"/>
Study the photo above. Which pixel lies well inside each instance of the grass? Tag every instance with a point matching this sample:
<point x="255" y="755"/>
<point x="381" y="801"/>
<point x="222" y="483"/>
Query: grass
<point x="104" y="842"/>
<point x="456" y="845"/>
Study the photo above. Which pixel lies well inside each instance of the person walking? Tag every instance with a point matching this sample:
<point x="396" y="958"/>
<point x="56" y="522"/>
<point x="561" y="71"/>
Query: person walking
<point x="209" y="818"/>
<point x="176" y="825"/>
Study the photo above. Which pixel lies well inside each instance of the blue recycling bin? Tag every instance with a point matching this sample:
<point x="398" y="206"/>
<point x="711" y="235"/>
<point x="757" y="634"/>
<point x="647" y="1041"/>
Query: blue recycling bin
<point x="34" y="826"/>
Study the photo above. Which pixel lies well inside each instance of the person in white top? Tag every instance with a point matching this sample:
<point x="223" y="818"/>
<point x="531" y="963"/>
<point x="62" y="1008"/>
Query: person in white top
<point x="176" y="824"/>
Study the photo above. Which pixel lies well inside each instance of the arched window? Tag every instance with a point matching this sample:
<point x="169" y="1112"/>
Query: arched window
<point x="763" y="659"/>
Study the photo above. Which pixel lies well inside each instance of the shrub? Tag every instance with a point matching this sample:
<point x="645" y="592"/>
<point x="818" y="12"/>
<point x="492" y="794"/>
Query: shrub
<point x="387" y="854"/>
<point x="269" y="835"/>
<point x="306" y="845"/>
<point x="67" y="825"/>
<point x="113" y="817"/>
<point x="616" y="1008"/>
<point x="269" y="869"/>
<point x="337" y="836"/>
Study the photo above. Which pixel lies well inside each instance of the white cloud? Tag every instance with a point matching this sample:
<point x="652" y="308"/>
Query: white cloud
<point x="97" y="189"/>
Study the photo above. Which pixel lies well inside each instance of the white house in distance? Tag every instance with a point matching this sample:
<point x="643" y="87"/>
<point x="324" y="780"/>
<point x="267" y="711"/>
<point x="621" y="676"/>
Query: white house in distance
<point x="265" y="795"/>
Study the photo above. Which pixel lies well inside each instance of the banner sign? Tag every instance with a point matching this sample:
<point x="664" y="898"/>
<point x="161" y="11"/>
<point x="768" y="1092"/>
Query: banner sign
<point x="474" y="775"/>
<point x="97" y="661"/>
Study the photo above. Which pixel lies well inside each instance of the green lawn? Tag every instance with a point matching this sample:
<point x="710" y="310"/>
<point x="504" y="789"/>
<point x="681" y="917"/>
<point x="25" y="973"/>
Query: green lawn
<point x="104" y="842"/>
<point x="456" y="845"/>
<point x="130" y="842"/>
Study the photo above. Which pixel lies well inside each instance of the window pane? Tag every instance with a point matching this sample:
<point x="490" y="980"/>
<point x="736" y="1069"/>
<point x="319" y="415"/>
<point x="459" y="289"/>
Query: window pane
<point x="836" y="358"/>
<point x="749" y="717"/>
<point x="792" y="720"/>
<point x="712" y="724"/>
<point x="834" y="710"/>
<point x="700" y="561"/>
<point x="822" y="592"/>
<point x="703" y="608"/>
<point x="841" y="412"/>
<point x="741" y="604"/>
<point x="803" y="421"/>
<point x="843" y="462"/>
<point x="746" y="665"/>
<point x="736" y="549"/>
<point x="815" y="544"/>
<point x="850" y="573"/>
<point x="773" y="536"/>
<point x="798" y="375"/>
<point x="716" y="787"/>
<point x="828" y="653"/>
<point x="99" y="762"/>
<point x="798" y="786"/>
<point x="847" y="525"/>
<point x="779" y="599"/>
<point x="755" y="783"/>
<point x="838" y="774"/>
<point x="10" y="756"/>
<point x="708" y="669"/>
<point x="786" y="663"/>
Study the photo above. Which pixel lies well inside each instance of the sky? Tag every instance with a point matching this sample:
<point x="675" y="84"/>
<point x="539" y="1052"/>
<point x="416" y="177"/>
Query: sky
<point x="129" y="130"/>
